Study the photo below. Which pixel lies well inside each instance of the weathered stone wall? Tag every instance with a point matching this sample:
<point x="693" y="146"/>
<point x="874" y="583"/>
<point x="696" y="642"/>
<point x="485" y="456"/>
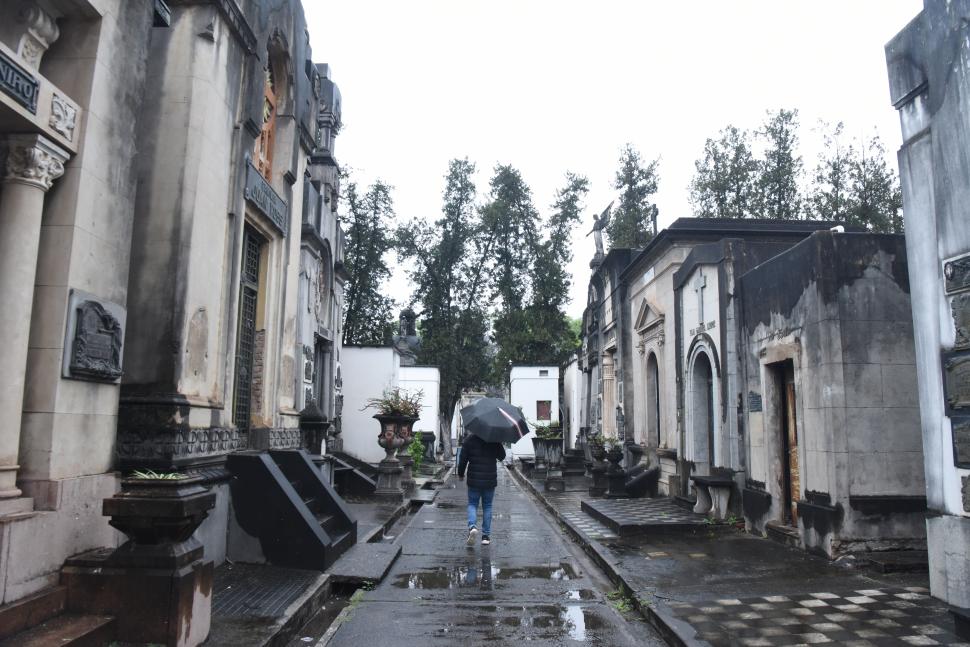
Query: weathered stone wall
<point x="929" y="80"/>
<point x="837" y="306"/>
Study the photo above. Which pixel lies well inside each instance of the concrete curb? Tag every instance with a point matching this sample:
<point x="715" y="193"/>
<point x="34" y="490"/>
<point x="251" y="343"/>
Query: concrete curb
<point x="653" y="609"/>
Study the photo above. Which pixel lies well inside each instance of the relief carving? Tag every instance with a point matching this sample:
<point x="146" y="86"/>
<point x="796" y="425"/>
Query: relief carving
<point x="40" y="33"/>
<point x="63" y="117"/>
<point x="96" y="353"/>
<point x="33" y="160"/>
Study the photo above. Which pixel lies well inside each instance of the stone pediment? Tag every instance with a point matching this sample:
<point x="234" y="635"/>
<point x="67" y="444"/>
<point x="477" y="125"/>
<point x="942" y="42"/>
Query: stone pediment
<point x="647" y="317"/>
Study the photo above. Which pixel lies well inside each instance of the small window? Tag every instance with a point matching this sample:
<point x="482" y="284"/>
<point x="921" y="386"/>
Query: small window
<point x="543" y="372"/>
<point x="544" y="410"/>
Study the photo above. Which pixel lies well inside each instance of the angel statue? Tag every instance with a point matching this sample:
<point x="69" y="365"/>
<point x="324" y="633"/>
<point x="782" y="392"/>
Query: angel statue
<point x="598" y="226"/>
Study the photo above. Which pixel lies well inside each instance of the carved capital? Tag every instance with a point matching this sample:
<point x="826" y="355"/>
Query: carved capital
<point x="34" y="160"/>
<point x="40" y="32"/>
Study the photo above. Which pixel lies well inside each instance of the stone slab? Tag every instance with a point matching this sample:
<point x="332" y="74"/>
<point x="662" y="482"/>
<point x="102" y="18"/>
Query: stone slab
<point x="257" y="605"/>
<point x="900" y="561"/>
<point x="639" y="516"/>
<point x="364" y="563"/>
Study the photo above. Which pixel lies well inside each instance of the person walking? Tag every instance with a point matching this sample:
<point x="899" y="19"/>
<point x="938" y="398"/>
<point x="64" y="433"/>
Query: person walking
<point x="479" y="459"/>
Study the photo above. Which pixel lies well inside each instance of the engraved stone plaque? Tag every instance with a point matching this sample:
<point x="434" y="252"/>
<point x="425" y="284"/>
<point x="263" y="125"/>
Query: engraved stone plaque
<point x="956" y="380"/>
<point x="754" y="401"/>
<point x="961" y="441"/>
<point x="956" y="273"/>
<point x="94" y="339"/>
<point x="960" y="311"/>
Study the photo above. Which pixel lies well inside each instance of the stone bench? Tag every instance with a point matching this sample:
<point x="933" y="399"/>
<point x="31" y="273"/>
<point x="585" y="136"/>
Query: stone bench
<point x="713" y="495"/>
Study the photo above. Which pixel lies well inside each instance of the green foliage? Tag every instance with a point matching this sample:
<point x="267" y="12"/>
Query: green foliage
<point x="448" y="260"/>
<point x="854" y="184"/>
<point x="367" y="311"/>
<point x="595" y="440"/>
<point x="152" y="475"/>
<point x="530" y="325"/>
<point x="416" y="450"/>
<point x="630" y="224"/>
<point x="610" y="442"/>
<point x="725" y="183"/>
<point x="548" y="432"/>
<point x="781" y="168"/>
<point x="621" y="601"/>
<point x="397" y="402"/>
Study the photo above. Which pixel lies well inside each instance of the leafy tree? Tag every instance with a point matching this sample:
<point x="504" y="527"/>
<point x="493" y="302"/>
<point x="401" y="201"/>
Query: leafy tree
<point x="631" y="219"/>
<point x="781" y="167"/>
<point x="447" y="259"/>
<point x="551" y="338"/>
<point x="512" y="222"/>
<point x="725" y="183"/>
<point x="831" y="194"/>
<point x="877" y="201"/>
<point x="854" y="184"/>
<point x="367" y="311"/>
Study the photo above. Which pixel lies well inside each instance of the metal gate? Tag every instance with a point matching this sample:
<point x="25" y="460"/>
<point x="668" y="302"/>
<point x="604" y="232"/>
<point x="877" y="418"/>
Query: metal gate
<point x="248" y="293"/>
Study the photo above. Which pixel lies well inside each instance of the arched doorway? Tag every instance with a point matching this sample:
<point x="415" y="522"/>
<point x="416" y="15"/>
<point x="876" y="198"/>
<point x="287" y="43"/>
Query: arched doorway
<point x="653" y="399"/>
<point x="702" y="410"/>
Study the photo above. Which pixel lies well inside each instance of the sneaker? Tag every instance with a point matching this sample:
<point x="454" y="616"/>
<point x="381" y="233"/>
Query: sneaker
<point x="485" y="540"/>
<point x="472" y="536"/>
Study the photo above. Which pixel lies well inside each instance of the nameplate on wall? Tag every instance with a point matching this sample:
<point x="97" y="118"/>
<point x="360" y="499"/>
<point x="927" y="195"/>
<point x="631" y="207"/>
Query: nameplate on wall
<point x="94" y="339"/>
<point x="18" y="84"/>
<point x="261" y="195"/>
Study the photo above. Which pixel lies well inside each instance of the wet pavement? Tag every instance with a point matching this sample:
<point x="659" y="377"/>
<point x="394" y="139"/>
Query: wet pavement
<point x="531" y="585"/>
<point x="717" y="585"/>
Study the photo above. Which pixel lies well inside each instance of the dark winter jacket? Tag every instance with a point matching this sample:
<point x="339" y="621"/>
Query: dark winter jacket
<point x="479" y="458"/>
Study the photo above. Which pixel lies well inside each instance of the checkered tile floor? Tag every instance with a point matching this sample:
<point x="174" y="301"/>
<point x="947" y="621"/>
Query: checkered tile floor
<point x="865" y="618"/>
<point x="589" y="526"/>
<point x="644" y="512"/>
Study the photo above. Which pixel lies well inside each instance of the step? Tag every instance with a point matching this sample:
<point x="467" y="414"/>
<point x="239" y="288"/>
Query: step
<point x="787" y="535"/>
<point x="365" y="563"/>
<point x="899" y="561"/>
<point x="70" y="629"/>
<point x="31" y="610"/>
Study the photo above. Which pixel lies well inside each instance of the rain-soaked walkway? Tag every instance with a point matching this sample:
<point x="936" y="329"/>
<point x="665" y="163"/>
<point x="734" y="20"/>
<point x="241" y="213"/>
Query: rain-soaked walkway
<point x="531" y="584"/>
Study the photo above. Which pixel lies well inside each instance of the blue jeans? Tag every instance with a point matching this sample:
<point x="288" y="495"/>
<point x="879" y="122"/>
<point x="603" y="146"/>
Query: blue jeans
<point x="486" y="496"/>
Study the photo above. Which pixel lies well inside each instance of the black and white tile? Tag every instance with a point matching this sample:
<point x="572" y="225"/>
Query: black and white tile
<point x="861" y="618"/>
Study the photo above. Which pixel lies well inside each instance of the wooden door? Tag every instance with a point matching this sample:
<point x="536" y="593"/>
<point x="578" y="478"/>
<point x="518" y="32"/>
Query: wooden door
<point x="792" y="447"/>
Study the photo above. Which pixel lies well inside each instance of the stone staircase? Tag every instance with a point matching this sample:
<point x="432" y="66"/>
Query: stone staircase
<point x="574" y="463"/>
<point x="352" y="476"/>
<point x="280" y="498"/>
<point x="42" y="620"/>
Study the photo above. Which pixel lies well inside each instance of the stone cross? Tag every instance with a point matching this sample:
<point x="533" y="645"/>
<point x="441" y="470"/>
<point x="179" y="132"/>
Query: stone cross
<point x="699" y="284"/>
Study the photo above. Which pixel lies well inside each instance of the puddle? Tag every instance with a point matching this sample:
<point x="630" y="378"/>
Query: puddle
<point x="482" y="575"/>
<point x="575" y="622"/>
<point x="581" y="594"/>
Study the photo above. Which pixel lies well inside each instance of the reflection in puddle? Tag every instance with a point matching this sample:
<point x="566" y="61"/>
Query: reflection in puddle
<point x="481" y="576"/>
<point x="554" y="621"/>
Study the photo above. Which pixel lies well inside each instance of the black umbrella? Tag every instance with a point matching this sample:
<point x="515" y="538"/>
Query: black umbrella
<point x="495" y="421"/>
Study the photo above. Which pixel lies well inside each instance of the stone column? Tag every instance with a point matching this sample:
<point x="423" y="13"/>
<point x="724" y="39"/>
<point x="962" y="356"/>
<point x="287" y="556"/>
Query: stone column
<point x="32" y="165"/>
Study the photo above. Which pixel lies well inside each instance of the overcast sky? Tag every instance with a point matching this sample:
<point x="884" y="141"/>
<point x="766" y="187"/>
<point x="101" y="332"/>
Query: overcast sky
<point x="551" y="86"/>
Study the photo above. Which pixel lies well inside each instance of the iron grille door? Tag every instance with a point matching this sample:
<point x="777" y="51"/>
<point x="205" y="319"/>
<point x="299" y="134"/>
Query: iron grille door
<point x="247" y="329"/>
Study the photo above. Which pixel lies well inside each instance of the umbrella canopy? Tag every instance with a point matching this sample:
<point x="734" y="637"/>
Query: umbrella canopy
<point x="494" y="420"/>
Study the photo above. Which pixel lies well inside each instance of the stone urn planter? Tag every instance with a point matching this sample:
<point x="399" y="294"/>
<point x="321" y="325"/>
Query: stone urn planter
<point x="598" y="470"/>
<point x="391" y="439"/>
<point x="552" y="453"/>
<point x="615" y="474"/>
<point x="539" y="449"/>
<point x="158" y="584"/>
<point x="159" y="512"/>
<point x="405" y="432"/>
<point x="427" y="439"/>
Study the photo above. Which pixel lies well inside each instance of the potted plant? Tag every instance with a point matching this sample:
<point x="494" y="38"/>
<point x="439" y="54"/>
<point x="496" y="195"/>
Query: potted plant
<point x="397" y="411"/>
<point x="596" y="446"/>
<point x="156" y="508"/>
<point x="614" y="451"/>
